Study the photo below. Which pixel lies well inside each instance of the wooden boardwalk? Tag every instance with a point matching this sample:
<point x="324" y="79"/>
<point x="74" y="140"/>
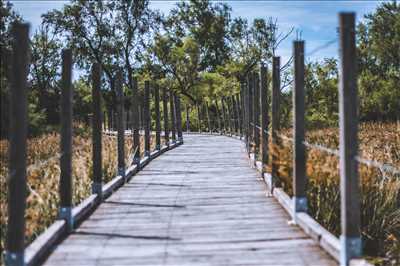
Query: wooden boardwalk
<point x="199" y="204"/>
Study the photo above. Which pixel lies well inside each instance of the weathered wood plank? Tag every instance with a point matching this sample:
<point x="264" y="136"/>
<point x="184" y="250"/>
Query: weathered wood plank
<point x="185" y="209"/>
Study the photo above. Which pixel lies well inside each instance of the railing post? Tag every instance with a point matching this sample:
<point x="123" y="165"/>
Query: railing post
<point x="299" y="152"/>
<point x="173" y="116"/>
<point x="349" y="183"/>
<point x="247" y="114"/>
<point x="238" y="114"/>
<point x="208" y="117"/>
<point x="157" y="111"/>
<point x="198" y="117"/>
<point x="165" y="113"/>
<point x="187" y="119"/>
<point x="264" y="117"/>
<point x="234" y="114"/>
<point x="65" y="211"/>
<point x="178" y="114"/>
<point x="96" y="131"/>
<point x="218" y="113"/>
<point x="256" y="116"/>
<point x="250" y="108"/>
<point x="135" y="123"/>
<point x="17" y="150"/>
<point x="120" y="124"/>
<point x="276" y="85"/>
<point x="146" y="118"/>
<point x="226" y="120"/>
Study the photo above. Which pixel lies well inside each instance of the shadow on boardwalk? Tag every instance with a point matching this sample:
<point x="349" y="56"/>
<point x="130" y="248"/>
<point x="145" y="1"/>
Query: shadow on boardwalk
<point x="200" y="204"/>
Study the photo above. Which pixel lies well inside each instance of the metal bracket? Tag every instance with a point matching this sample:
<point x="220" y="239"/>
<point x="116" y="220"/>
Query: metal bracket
<point x="121" y="171"/>
<point x="65" y="213"/>
<point x="97" y="188"/>
<point x="350" y="248"/>
<point x="300" y="204"/>
<point x="14" y="258"/>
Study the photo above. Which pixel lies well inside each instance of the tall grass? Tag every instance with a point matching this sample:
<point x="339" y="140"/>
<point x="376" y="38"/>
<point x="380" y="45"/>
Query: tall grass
<point x="43" y="176"/>
<point x="380" y="191"/>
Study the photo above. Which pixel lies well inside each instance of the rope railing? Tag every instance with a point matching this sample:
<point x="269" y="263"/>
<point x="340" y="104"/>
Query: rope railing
<point x="383" y="167"/>
<point x="18" y="168"/>
<point x="259" y="129"/>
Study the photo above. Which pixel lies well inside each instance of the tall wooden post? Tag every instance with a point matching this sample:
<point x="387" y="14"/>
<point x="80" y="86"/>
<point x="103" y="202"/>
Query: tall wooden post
<point x="239" y="113"/>
<point x="250" y="107"/>
<point x="135" y="123"/>
<point x="187" y="119"/>
<point x="146" y="118"/>
<point x="165" y="113"/>
<point x="256" y="115"/>
<point x="264" y="117"/>
<point x="173" y="116"/>
<point x="208" y="117"/>
<point x="178" y="115"/>
<point x="247" y="113"/>
<point x="218" y="117"/>
<point x="158" y="118"/>
<point x="198" y="117"/>
<point x="225" y="115"/>
<point x="96" y="131"/>
<point x="348" y="105"/>
<point x="234" y="114"/>
<point x="299" y="156"/>
<point x="65" y="211"/>
<point x="120" y="124"/>
<point x="276" y="90"/>
<point x="17" y="149"/>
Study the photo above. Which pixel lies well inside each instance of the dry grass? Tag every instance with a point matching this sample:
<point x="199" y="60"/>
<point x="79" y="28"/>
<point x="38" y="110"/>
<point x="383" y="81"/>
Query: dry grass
<point x="380" y="191"/>
<point x="44" y="171"/>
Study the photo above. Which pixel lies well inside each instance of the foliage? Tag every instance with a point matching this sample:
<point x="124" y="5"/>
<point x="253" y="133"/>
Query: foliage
<point x="43" y="174"/>
<point x="380" y="191"/>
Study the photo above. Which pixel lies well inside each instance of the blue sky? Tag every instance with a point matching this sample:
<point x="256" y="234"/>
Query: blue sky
<point x="316" y="19"/>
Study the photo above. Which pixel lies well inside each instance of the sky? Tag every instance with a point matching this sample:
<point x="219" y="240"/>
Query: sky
<point x="317" y="20"/>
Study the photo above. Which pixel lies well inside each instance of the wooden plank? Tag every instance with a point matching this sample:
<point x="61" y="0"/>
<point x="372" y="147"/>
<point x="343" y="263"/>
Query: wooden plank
<point x="195" y="212"/>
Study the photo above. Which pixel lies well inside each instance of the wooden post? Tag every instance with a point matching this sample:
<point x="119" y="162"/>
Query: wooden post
<point x="238" y="118"/>
<point x="218" y="117"/>
<point x="120" y="124"/>
<point x="65" y="211"/>
<point x="230" y="115"/>
<point x="208" y="117"/>
<point x="250" y="108"/>
<point x="225" y="116"/>
<point x="96" y="131"/>
<point x="165" y="113"/>
<point x="348" y="105"/>
<point x="299" y="152"/>
<point x="241" y="108"/>
<point x="256" y="116"/>
<point x="173" y="116"/>
<point x="276" y="90"/>
<point x="178" y="115"/>
<point x="135" y="123"/>
<point x="146" y="118"/>
<point x="264" y="117"/>
<point x="158" y="118"/>
<point x="17" y="149"/>
<point x="198" y="117"/>
<point x="187" y="119"/>
<point x="246" y="114"/>
<point x="234" y="114"/>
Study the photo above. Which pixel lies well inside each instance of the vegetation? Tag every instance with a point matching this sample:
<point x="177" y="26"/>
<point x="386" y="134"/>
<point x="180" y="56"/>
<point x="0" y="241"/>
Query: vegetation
<point x="201" y="52"/>
<point x="380" y="190"/>
<point x="43" y="175"/>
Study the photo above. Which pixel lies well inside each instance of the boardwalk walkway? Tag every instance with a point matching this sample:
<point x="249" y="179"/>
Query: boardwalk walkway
<point x="199" y="204"/>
